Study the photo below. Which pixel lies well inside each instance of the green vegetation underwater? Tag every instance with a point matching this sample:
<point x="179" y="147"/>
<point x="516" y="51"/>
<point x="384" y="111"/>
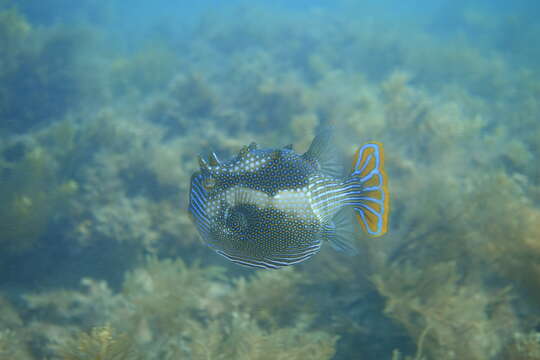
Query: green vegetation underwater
<point x="105" y="107"/>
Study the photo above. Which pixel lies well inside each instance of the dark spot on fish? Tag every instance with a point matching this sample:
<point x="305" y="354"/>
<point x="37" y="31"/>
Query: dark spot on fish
<point x="240" y="218"/>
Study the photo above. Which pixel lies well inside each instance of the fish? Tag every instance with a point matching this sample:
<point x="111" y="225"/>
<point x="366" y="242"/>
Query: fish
<point x="270" y="208"/>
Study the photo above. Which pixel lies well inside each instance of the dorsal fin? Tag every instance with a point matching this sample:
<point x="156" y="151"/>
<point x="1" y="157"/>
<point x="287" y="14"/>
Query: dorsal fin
<point x="323" y="151"/>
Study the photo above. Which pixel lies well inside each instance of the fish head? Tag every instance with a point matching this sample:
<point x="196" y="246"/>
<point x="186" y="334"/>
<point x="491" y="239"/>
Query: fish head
<point x="224" y="195"/>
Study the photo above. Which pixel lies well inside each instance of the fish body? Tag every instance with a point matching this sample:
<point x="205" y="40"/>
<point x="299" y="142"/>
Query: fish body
<point x="269" y="208"/>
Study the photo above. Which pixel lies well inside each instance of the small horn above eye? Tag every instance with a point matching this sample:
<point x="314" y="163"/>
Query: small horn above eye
<point x="213" y="159"/>
<point x="203" y="164"/>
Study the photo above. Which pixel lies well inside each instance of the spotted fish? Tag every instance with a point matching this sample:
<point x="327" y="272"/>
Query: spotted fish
<point x="269" y="208"/>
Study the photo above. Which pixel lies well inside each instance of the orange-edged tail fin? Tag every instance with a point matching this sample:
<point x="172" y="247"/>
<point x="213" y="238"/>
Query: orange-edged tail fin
<point x="372" y="206"/>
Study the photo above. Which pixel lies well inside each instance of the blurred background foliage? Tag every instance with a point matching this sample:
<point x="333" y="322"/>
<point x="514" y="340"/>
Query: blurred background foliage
<point x="101" y="120"/>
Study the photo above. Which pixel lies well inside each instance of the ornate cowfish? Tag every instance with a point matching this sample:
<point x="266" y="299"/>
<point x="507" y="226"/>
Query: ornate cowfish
<point x="269" y="208"/>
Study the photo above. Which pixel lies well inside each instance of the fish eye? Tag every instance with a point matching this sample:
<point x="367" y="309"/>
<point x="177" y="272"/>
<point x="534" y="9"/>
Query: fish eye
<point x="209" y="183"/>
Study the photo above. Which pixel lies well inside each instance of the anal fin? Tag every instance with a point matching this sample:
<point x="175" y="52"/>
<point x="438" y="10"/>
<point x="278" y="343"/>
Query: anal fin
<point x="340" y="232"/>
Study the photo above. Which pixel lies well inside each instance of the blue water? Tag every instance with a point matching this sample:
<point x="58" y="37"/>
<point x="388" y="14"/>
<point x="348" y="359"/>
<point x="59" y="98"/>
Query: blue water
<point x="105" y="106"/>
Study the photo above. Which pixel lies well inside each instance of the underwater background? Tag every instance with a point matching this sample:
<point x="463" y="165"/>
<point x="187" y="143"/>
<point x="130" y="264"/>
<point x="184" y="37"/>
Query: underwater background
<point x="105" y="105"/>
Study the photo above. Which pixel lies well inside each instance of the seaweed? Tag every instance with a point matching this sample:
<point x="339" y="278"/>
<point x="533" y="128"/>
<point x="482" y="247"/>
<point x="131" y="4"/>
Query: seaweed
<point x="194" y="95"/>
<point x="524" y="347"/>
<point x="101" y="343"/>
<point x="44" y="72"/>
<point x="241" y="338"/>
<point x="447" y="316"/>
<point x="31" y="194"/>
<point x="12" y="346"/>
<point x="13" y="334"/>
<point x="166" y="293"/>
<point x="509" y="239"/>
<point x="272" y="299"/>
<point x="171" y="310"/>
<point x="145" y="71"/>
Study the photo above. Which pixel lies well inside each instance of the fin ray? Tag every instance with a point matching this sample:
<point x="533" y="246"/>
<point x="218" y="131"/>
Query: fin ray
<point x="340" y="232"/>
